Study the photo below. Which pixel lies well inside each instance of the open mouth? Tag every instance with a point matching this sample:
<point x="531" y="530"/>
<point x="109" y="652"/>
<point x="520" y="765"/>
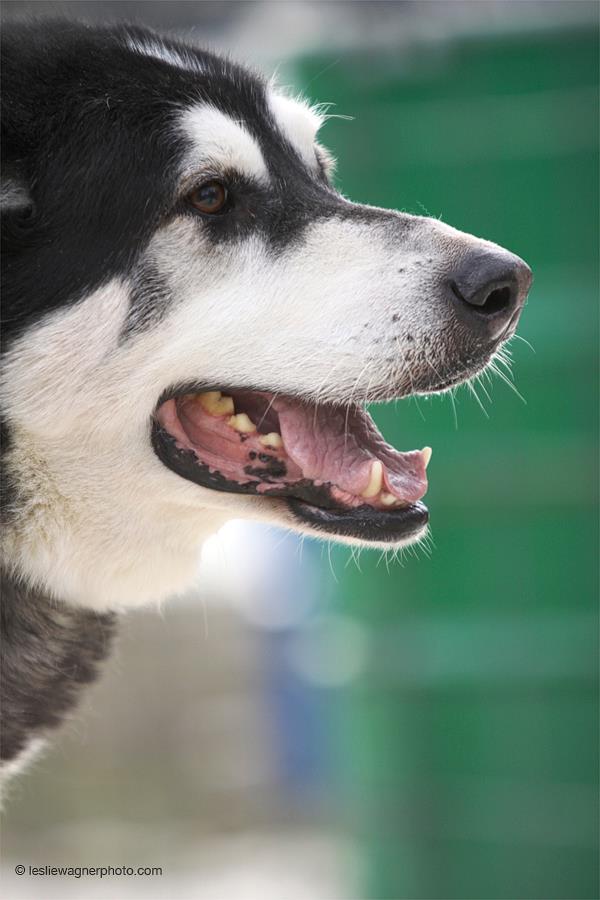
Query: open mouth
<point x="328" y="462"/>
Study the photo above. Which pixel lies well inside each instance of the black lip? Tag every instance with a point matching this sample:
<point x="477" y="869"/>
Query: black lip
<point x="310" y="504"/>
<point x="185" y="464"/>
<point x="364" y="522"/>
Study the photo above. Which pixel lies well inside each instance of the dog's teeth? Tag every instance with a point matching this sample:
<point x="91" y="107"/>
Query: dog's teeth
<point x="375" y="481"/>
<point x="426" y="453"/>
<point x="272" y="440"/>
<point x="388" y="499"/>
<point x="214" y="403"/>
<point x="242" y="423"/>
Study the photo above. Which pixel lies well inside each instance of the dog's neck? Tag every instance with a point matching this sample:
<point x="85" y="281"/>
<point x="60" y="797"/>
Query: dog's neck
<point x="50" y="651"/>
<point x="127" y="545"/>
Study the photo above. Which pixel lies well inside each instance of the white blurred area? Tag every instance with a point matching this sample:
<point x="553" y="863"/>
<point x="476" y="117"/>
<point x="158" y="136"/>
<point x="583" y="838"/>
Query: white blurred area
<point x="264" y="575"/>
<point x="254" y="568"/>
<point x="261" y="867"/>
<point x="204" y="747"/>
<point x="271" y="33"/>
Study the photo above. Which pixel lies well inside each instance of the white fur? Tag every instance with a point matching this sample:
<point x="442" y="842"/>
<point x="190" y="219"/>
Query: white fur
<point x="157" y="50"/>
<point x="12" y="767"/>
<point x="299" y="122"/>
<point x="221" y="142"/>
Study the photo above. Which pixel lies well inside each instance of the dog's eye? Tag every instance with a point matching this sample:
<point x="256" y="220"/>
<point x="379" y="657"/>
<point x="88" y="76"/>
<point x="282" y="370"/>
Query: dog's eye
<point x="210" y="198"/>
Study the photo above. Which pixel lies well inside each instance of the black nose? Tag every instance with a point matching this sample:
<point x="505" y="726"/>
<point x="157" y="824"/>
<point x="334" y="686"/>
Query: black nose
<point x="489" y="289"/>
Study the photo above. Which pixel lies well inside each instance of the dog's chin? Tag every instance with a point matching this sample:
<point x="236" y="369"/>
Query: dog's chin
<point x="321" y="469"/>
<point x="362" y="526"/>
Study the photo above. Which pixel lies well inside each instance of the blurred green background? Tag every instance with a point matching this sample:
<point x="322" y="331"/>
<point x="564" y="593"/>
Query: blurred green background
<point x="329" y="726"/>
<point x="470" y="742"/>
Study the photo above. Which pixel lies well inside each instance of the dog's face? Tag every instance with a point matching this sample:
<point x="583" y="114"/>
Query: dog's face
<point x="197" y="318"/>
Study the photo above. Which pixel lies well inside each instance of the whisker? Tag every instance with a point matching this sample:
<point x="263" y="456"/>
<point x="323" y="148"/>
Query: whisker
<point x="507" y="381"/>
<point x="349" y="406"/>
<point x="526" y="342"/>
<point x="479" y="380"/>
<point x="471" y="388"/>
<point x="451" y="392"/>
<point x="331" y="569"/>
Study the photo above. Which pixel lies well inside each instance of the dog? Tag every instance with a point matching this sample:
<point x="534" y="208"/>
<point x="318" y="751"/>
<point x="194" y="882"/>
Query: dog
<point x="194" y="319"/>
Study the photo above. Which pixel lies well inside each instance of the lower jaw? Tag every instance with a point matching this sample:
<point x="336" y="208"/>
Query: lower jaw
<point x="364" y="523"/>
<point x="311" y="507"/>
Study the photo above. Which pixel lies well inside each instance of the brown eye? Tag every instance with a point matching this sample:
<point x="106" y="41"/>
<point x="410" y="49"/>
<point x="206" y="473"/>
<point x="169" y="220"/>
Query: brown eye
<point x="210" y="198"/>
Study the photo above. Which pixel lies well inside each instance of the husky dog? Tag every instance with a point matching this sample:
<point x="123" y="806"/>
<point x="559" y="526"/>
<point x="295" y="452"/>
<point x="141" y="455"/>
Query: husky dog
<point x="193" y="321"/>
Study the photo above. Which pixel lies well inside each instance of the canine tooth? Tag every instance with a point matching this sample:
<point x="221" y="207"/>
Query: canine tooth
<point x="388" y="499"/>
<point x="272" y="440"/>
<point x="214" y="403"/>
<point x="426" y="451"/>
<point x="375" y="481"/>
<point x="242" y="423"/>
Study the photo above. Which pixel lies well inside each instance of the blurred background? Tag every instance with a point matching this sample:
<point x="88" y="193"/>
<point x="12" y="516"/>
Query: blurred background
<point x="318" y="725"/>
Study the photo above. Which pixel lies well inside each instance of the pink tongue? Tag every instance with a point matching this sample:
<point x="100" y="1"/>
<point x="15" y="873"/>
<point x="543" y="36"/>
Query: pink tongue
<point x="332" y="444"/>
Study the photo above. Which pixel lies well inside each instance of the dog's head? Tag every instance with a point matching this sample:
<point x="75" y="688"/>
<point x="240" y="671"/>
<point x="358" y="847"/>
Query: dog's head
<point x="195" y="317"/>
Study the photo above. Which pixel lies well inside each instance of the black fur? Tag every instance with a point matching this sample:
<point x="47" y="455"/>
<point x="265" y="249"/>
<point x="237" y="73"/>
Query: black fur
<point x="49" y="652"/>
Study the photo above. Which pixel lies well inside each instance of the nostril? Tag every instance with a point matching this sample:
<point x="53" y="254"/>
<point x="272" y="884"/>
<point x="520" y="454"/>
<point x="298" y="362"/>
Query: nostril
<point x="488" y="290"/>
<point x="497" y="301"/>
<point x="487" y="301"/>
